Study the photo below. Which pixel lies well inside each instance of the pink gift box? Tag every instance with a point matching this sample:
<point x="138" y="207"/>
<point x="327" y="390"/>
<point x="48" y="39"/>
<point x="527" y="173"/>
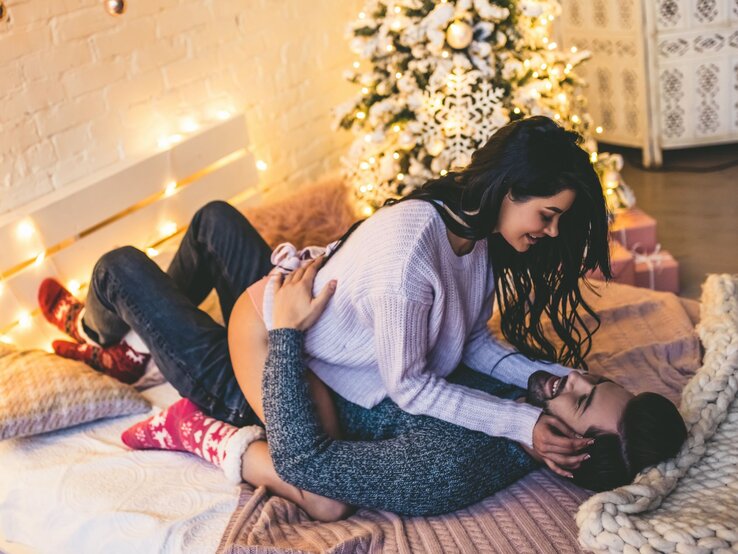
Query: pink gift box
<point x="657" y="271"/>
<point x="634" y="228"/>
<point x="622" y="265"/>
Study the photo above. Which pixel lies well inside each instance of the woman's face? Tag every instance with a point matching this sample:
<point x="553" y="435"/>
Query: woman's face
<point x="523" y="223"/>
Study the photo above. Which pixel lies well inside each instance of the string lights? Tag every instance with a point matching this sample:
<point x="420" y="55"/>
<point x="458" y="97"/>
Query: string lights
<point x="26" y="232"/>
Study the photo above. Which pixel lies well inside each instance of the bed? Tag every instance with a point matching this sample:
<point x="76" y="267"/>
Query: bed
<point x="81" y="490"/>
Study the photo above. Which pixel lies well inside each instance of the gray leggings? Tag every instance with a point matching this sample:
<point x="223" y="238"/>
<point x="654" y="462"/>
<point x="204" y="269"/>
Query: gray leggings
<point x="390" y="460"/>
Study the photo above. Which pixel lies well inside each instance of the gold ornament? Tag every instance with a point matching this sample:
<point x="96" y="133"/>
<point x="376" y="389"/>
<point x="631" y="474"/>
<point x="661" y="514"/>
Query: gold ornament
<point x="459" y="35"/>
<point x="116" y="7"/>
<point x="3" y="12"/>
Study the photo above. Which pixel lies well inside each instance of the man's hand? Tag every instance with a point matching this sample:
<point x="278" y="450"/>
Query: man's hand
<point x="294" y="305"/>
<point x="558" y="445"/>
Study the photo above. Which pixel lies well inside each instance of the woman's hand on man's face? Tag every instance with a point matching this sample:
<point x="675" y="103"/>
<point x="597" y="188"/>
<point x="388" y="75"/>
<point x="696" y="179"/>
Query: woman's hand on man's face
<point x="558" y="445"/>
<point x="294" y="305"/>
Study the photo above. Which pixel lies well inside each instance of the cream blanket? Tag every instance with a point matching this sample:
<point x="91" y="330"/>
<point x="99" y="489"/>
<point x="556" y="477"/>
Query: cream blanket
<point x="690" y="503"/>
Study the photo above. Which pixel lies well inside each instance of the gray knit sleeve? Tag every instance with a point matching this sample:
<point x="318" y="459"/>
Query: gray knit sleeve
<point x="434" y="469"/>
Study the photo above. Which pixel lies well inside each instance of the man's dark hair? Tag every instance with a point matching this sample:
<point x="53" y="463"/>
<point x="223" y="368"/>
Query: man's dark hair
<point x="651" y="431"/>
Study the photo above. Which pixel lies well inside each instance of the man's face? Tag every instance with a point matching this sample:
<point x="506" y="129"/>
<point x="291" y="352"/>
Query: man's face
<point x="580" y="400"/>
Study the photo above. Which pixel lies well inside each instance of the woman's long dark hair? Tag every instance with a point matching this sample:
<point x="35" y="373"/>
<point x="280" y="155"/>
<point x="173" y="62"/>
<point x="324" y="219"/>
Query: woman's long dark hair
<point x="531" y="157"/>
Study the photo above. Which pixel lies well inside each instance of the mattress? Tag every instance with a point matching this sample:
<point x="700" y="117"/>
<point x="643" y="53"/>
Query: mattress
<point x="81" y="490"/>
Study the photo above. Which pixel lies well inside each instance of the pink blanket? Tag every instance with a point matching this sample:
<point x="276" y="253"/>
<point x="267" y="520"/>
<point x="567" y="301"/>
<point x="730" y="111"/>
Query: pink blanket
<point x="647" y="342"/>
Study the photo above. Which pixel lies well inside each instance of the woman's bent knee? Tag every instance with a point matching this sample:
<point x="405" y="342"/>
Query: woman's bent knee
<point x="119" y="259"/>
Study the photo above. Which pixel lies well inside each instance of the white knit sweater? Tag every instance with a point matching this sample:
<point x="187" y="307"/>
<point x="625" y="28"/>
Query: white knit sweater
<point x="407" y="310"/>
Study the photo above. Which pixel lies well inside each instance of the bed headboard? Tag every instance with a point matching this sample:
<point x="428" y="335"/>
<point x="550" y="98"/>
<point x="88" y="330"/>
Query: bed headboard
<point x="145" y="203"/>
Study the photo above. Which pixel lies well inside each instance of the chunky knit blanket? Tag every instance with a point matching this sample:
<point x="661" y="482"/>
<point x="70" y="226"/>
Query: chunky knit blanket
<point x="690" y="503"/>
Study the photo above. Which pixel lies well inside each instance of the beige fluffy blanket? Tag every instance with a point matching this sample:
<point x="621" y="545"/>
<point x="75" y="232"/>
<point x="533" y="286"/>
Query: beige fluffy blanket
<point x="647" y="342"/>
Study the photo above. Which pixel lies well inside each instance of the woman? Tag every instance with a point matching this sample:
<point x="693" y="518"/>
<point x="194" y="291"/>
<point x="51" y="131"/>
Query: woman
<point x="490" y="228"/>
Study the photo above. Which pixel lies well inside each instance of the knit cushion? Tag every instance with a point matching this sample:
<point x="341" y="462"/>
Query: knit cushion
<point x="41" y="392"/>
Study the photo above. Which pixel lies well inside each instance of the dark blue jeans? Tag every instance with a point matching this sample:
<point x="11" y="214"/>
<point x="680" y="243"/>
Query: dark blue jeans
<point x="220" y="250"/>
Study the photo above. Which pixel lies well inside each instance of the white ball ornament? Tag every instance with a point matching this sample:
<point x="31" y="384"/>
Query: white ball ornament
<point x="435" y="147"/>
<point x="459" y="35"/>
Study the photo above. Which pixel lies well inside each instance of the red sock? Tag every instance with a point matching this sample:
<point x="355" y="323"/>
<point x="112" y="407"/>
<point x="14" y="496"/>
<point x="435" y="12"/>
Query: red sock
<point x="185" y="428"/>
<point x="120" y="361"/>
<point x="60" y="307"/>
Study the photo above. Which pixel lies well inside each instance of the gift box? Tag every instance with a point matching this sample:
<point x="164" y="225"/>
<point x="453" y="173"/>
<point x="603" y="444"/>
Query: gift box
<point x="634" y="228"/>
<point x="622" y="264"/>
<point x="657" y="271"/>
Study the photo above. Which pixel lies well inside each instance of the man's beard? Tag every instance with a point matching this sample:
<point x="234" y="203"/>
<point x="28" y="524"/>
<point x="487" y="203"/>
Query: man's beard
<point x="538" y="392"/>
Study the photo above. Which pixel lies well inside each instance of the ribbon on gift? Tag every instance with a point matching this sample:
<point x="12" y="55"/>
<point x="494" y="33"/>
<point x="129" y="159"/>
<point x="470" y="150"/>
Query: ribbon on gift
<point x="286" y="258"/>
<point x="652" y="261"/>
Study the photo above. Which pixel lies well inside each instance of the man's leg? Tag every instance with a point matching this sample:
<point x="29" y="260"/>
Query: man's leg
<point x="128" y="291"/>
<point x="220" y="249"/>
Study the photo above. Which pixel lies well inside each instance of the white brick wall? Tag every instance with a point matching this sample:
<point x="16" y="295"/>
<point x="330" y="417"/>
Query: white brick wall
<point x="81" y="90"/>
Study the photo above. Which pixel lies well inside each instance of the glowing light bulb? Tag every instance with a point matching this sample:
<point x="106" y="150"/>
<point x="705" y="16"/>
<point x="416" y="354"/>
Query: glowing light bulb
<point x="550" y="17"/>
<point x="25" y="229"/>
<point x="372" y="160"/>
<point x="6" y="339"/>
<point x="610" y="191"/>
<point x="175" y="138"/>
<point x="390" y="48"/>
<point x="573" y="49"/>
<point x="360" y="115"/>
<point x="356" y="65"/>
<point x="516" y="110"/>
<point x="395" y="155"/>
<point x="545" y="40"/>
<point x="367" y="138"/>
<point x="364" y="90"/>
<point x="362" y="188"/>
<point x="74" y="286"/>
<point x="535" y="75"/>
<point x="552" y="46"/>
<point x="362" y="15"/>
<point x="398" y="75"/>
<point x="364" y="166"/>
<point x="575" y="118"/>
<point x="40" y="257"/>
<point x="444" y="172"/>
<point x="397" y="9"/>
<point x="24" y="320"/>
<point x="167" y="228"/>
<point x="189" y="125"/>
<point x="223" y="115"/>
<point x="400" y="176"/>
<point x="396" y="25"/>
<point x="598" y="130"/>
<point x="543" y="66"/>
<point x="526" y="63"/>
<point x="557" y="116"/>
<point x="152" y="252"/>
<point x="444" y="54"/>
<point x="261" y="165"/>
<point x="593" y="157"/>
<point x="396" y="128"/>
<point x="368" y="210"/>
<point x="170" y="189"/>
<point x="543" y="20"/>
<point x="562" y="97"/>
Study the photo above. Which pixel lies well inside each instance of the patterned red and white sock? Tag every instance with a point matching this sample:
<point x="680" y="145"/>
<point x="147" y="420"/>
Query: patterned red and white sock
<point x="185" y="428"/>
<point x="61" y="308"/>
<point x="119" y="361"/>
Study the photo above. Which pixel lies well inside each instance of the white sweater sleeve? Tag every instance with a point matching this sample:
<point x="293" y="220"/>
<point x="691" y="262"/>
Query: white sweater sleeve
<point x="484" y="353"/>
<point x="401" y="336"/>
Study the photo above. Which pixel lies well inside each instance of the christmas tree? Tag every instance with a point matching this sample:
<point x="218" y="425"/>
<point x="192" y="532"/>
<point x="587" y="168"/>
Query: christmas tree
<point x="438" y="78"/>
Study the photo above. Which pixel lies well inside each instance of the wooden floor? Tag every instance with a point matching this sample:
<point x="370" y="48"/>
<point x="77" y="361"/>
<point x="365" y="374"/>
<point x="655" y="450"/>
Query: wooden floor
<point x="697" y="213"/>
